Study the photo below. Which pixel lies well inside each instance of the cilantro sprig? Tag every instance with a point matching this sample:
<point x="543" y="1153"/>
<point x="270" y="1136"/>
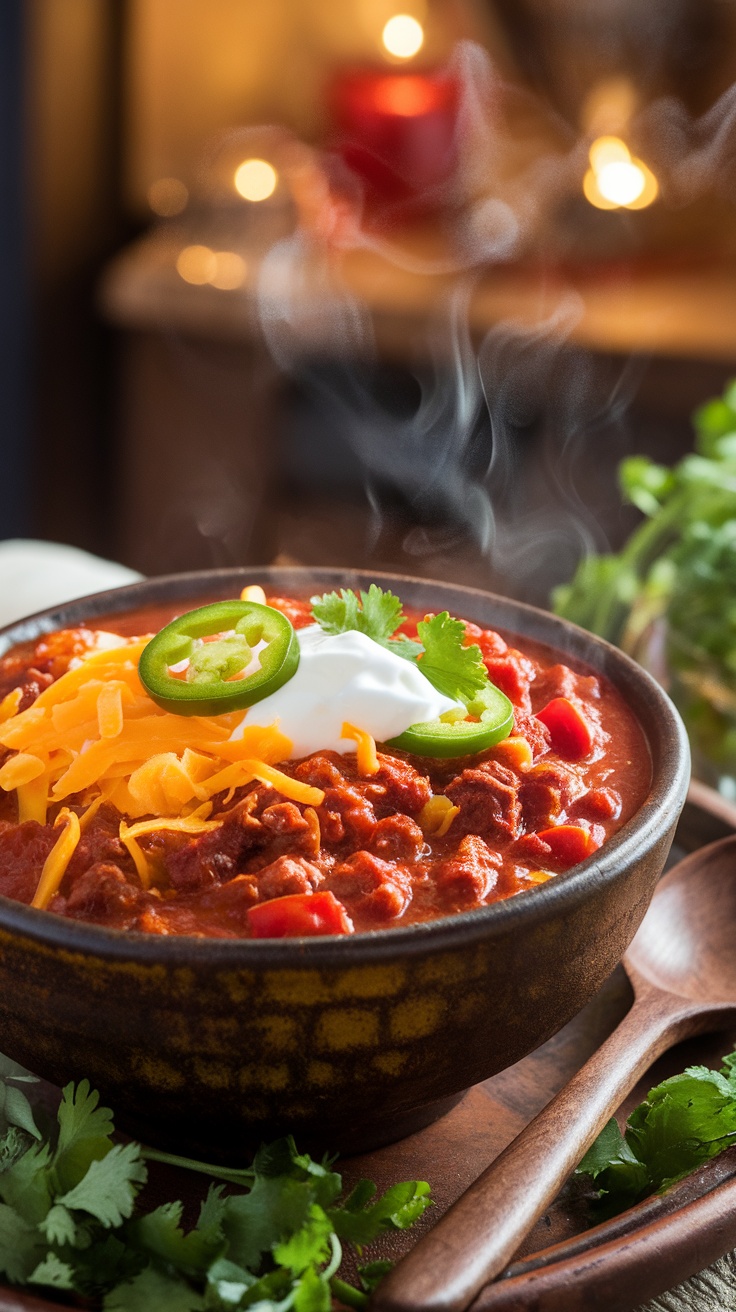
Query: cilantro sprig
<point x="682" y="1123"/>
<point x="452" y="667"/>
<point x="71" y="1221"/>
<point x="667" y="596"/>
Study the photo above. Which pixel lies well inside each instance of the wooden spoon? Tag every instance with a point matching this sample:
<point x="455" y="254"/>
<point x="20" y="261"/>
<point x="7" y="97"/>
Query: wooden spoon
<point x="682" y="966"/>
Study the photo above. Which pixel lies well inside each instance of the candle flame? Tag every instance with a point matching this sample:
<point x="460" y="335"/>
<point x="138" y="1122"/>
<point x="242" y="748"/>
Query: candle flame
<point x="403" y="36"/>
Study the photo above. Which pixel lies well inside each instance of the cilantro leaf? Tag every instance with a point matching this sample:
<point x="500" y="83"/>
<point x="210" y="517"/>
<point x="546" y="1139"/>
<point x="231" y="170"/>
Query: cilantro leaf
<point x="53" y="1273"/>
<point x="159" y="1233"/>
<point x="108" y="1189"/>
<point x="58" y="1225"/>
<point x="682" y="1123"/>
<point x="150" y="1289"/>
<point x="312" y="1293"/>
<point x="308" y="1246"/>
<point x="85" y="1133"/>
<point x="25" y="1186"/>
<point x="378" y="616"/>
<point x="21" y="1246"/>
<point x="397" y="1209"/>
<point x="454" y="669"/>
<point x="15" y="1109"/>
<point x="10" y="1070"/>
<point x="67" y="1222"/>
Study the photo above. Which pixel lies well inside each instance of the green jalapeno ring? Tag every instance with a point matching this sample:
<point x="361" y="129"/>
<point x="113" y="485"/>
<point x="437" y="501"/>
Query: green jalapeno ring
<point x="212" y="690"/>
<point x="446" y="738"/>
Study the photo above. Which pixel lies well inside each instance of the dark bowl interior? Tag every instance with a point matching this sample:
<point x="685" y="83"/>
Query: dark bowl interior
<point x="346" y="1042"/>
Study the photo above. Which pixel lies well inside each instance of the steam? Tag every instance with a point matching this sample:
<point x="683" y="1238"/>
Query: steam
<point x="502" y="448"/>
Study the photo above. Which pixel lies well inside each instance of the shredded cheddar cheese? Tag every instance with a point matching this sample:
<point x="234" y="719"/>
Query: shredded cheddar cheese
<point x="366" y="755"/>
<point x="95" y="734"/>
<point x="54" y="867"/>
<point x="10" y="703"/>
<point x="436" y="816"/>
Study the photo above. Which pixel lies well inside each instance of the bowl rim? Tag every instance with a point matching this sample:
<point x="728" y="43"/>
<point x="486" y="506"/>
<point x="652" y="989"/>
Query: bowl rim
<point x="660" y="807"/>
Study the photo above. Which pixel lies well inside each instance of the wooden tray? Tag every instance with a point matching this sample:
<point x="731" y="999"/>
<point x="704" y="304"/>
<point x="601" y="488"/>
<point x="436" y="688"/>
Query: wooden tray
<point x="563" y="1266"/>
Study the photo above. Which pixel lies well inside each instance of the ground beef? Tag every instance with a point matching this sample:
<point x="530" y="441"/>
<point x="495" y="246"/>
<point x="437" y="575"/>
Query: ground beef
<point x="103" y="894"/>
<point x="488" y="797"/>
<point x="287" y="875"/>
<point x="397" y="838"/>
<point x="371" y="887"/>
<point x="468" y="877"/>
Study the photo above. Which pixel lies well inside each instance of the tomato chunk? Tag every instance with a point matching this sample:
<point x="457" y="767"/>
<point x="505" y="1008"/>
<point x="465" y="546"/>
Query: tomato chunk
<point x="570" y="732"/>
<point x="299" y="914"/>
<point x="570" y="843"/>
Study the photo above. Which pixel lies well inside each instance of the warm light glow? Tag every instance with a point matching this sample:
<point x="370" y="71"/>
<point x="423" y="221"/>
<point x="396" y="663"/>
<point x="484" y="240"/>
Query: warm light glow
<point x="621" y="182"/>
<point x="406" y="97"/>
<point x="196" y="264"/>
<point x="650" y="190"/>
<point x="608" y="150"/>
<point x="167" y="197"/>
<point x="615" y="179"/>
<point x="255" y="179"/>
<point x="230" y="270"/>
<point x="403" y="36"/>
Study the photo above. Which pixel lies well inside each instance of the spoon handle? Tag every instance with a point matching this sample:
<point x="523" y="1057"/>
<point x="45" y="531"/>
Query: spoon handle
<point x="478" y="1235"/>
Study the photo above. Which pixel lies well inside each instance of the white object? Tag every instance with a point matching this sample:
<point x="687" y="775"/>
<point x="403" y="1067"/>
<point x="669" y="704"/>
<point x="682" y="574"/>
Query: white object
<point x="346" y="676"/>
<point x="35" y="575"/>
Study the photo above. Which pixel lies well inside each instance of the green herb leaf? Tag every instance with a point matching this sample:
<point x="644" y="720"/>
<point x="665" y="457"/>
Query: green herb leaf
<point x="108" y="1189"/>
<point x="85" y="1134"/>
<point x="683" y="1122"/>
<point x="309" y="1246"/>
<point x="454" y="669"/>
<point x="397" y="1209"/>
<point x="53" y="1273"/>
<point x="378" y="615"/>
<point x="312" y="1293"/>
<point x="159" y="1233"/>
<point x="153" y="1289"/>
<point x="21" y="1246"/>
<point x="272" y="1247"/>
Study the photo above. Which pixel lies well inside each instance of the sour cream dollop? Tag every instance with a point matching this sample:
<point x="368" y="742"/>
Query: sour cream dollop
<point x="346" y="676"/>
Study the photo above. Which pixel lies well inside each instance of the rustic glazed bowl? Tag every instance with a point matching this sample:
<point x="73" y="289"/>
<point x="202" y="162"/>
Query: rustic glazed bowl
<point x="210" y="1046"/>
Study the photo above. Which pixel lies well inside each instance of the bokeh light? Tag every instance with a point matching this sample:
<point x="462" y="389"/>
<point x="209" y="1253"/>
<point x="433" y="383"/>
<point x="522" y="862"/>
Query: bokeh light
<point x="167" y="197"/>
<point x="196" y="264"/>
<point x="230" y="271"/>
<point x="403" y="36"/>
<point x="615" y="179"/>
<point x="255" y="179"/>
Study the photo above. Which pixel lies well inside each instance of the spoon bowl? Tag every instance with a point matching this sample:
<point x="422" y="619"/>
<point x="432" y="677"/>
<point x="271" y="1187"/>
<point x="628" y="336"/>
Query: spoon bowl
<point x="685" y="944"/>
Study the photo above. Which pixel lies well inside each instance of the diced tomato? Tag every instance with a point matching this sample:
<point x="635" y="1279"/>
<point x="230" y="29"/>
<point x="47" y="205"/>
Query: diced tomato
<point x="571" y="843"/>
<point x="299" y="914"/>
<point x="570" y="732"/>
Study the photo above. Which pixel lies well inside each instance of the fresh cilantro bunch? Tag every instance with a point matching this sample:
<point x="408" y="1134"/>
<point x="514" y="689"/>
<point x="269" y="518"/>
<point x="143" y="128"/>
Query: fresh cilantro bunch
<point x="69" y="1219"/>
<point x="681" y="1124"/>
<point x="453" y="668"/>
<point x="669" y="597"/>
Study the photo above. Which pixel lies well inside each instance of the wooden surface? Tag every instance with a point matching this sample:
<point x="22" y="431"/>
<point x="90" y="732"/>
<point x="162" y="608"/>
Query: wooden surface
<point x="564" y="1265"/>
<point x="678" y="312"/>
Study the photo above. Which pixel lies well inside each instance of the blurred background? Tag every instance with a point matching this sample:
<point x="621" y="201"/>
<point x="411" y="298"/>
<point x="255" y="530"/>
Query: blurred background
<point x="391" y="281"/>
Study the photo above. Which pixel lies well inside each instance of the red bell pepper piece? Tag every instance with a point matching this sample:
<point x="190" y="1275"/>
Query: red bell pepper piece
<point x="570" y="732"/>
<point x="570" y="843"/>
<point x="299" y="914"/>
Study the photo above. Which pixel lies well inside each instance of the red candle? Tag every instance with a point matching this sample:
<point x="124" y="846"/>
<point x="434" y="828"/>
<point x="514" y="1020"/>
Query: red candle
<point x="397" y="131"/>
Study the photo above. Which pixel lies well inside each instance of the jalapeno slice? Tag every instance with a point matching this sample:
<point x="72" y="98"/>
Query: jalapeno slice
<point x="446" y="738"/>
<point x="220" y="642"/>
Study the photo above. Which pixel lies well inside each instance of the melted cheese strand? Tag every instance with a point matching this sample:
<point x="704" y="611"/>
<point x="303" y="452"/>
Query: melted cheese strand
<point x="366" y="755"/>
<point x="54" y="867"/>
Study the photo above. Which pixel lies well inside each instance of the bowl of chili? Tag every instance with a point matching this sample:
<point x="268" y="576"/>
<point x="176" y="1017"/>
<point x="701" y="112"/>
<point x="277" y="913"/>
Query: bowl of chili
<point x="205" y="1038"/>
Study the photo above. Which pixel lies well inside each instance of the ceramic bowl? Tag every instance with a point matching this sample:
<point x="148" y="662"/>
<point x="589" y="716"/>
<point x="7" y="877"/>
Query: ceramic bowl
<point x="209" y="1046"/>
